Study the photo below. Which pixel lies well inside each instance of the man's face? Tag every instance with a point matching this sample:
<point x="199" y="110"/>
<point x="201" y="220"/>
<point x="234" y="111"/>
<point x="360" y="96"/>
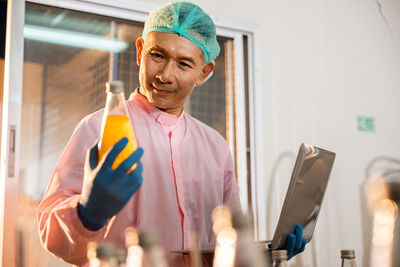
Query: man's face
<point x="170" y="67"/>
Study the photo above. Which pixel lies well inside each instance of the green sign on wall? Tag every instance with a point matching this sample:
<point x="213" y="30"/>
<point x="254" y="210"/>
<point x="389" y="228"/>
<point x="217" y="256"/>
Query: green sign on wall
<point x="366" y="124"/>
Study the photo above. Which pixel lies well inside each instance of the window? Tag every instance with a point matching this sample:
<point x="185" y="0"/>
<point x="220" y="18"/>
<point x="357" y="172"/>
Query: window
<point x="64" y="80"/>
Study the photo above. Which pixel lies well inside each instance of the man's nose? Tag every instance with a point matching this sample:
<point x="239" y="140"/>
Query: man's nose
<point x="167" y="72"/>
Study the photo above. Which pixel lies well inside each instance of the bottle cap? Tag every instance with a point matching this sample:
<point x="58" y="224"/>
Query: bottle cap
<point x="279" y="255"/>
<point x="91" y="250"/>
<point x="348" y="254"/>
<point x="148" y="238"/>
<point x="131" y="237"/>
<point x="120" y="255"/>
<point x="105" y="251"/>
<point x="239" y="221"/>
<point x="115" y="86"/>
<point x="222" y="218"/>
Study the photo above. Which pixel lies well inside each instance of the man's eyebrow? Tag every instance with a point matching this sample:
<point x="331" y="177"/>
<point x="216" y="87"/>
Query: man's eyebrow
<point x="156" y="47"/>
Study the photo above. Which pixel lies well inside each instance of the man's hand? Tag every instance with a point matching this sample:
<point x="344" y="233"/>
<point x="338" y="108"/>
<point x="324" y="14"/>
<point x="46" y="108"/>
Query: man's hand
<point x="295" y="244"/>
<point x="106" y="191"/>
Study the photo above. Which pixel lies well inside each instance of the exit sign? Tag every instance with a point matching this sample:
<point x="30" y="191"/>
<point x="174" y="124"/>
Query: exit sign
<point x="366" y="124"/>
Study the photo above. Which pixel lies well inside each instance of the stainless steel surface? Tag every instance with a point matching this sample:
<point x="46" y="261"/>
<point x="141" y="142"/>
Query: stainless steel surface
<point x="305" y="193"/>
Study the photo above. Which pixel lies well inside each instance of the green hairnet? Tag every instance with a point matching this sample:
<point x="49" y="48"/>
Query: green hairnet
<point x="187" y="20"/>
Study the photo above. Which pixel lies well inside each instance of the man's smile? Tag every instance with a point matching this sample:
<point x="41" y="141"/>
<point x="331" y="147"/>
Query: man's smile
<point x="162" y="90"/>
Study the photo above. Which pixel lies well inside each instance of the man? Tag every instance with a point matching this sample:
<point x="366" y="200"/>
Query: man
<point x="186" y="169"/>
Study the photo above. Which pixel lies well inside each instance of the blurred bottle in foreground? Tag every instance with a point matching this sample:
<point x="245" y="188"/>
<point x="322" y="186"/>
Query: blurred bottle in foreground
<point x="195" y="255"/>
<point x="225" y="249"/>
<point x="105" y="255"/>
<point x="154" y="254"/>
<point x="135" y="252"/>
<point x="247" y="253"/>
<point x="382" y="195"/>
<point x="383" y="250"/>
<point x="116" y="124"/>
<point x="279" y="258"/>
<point x="92" y="254"/>
<point x="120" y="255"/>
<point x="348" y="258"/>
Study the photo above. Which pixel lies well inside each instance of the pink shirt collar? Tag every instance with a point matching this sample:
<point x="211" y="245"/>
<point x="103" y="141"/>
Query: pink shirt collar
<point x="159" y="115"/>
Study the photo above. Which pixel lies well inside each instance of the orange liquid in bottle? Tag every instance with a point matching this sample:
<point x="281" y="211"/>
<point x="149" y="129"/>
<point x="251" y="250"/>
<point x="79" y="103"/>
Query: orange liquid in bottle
<point x="117" y="127"/>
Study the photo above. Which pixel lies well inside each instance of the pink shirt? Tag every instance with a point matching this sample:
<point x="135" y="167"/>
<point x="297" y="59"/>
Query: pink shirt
<point x="188" y="171"/>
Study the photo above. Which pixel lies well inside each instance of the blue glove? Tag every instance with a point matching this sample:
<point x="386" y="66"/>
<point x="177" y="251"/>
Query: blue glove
<point x="295" y="244"/>
<point x="106" y="191"/>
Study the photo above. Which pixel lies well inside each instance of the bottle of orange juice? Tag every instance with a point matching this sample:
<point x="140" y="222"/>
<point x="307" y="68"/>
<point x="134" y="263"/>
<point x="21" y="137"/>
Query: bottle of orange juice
<point x="116" y="124"/>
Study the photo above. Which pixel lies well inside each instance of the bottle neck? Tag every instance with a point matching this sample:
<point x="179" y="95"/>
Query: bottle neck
<point x="154" y="256"/>
<point x="348" y="262"/>
<point x="279" y="263"/>
<point x="116" y="104"/>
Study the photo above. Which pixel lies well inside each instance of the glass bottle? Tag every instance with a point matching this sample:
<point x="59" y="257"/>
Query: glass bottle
<point x="348" y="258"/>
<point x="154" y="254"/>
<point x="107" y="255"/>
<point x="226" y="237"/>
<point x="120" y="256"/>
<point x="247" y="253"/>
<point x="195" y="255"/>
<point x="279" y="258"/>
<point x="92" y="254"/>
<point x="135" y="252"/>
<point x="116" y="124"/>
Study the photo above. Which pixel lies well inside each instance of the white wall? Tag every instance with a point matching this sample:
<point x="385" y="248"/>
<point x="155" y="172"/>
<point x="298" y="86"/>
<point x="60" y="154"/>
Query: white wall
<point x="323" y="63"/>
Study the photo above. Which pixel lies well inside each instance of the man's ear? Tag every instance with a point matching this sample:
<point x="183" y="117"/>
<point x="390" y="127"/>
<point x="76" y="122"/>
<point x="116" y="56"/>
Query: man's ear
<point x="139" y="50"/>
<point x="207" y="69"/>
